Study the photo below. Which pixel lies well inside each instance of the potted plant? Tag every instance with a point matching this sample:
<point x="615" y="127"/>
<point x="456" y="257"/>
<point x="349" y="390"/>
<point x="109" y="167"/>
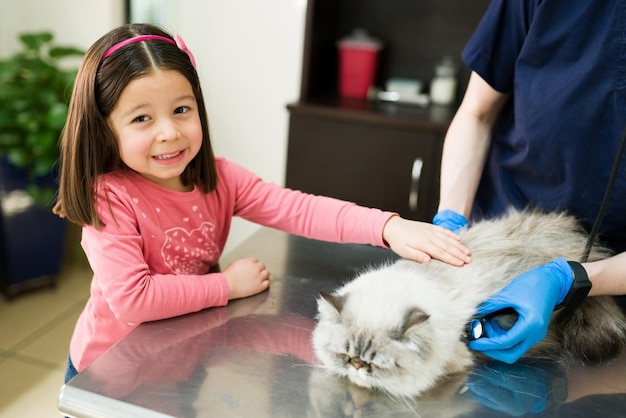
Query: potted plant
<point x="35" y="85"/>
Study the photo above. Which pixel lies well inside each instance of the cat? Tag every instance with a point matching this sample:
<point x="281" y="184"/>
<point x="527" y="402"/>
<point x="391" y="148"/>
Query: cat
<point x="397" y="328"/>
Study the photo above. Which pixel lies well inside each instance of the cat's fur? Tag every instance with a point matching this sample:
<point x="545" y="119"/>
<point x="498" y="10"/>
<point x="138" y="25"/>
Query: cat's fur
<point x="397" y="328"/>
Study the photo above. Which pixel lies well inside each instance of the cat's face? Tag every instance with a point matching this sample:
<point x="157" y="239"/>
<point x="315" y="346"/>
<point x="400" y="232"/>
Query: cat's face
<point x="391" y="329"/>
<point x="396" y="357"/>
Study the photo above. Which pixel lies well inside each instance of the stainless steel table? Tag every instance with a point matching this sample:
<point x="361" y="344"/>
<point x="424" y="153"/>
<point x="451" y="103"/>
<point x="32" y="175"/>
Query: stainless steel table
<point x="253" y="358"/>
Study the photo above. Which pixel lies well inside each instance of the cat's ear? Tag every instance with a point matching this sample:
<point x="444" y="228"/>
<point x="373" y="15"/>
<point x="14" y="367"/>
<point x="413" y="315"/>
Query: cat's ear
<point x="330" y="305"/>
<point x="413" y="318"/>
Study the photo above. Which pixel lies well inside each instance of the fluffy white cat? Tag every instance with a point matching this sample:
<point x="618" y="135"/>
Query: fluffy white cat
<point x="398" y="328"/>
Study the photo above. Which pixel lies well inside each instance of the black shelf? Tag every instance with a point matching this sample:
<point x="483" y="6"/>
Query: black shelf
<point x="416" y="35"/>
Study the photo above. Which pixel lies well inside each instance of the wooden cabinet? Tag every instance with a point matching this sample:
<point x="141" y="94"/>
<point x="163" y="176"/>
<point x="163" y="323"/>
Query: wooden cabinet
<point x="374" y="153"/>
<point x="366" y="158"/>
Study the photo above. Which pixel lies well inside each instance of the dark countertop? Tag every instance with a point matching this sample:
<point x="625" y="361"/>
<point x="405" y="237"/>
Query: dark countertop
<point x="433" y="118"/>
<point x="253" y="358"/>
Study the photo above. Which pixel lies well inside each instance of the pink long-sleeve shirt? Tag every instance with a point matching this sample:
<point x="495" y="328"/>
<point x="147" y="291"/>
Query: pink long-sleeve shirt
<point x="152" y="259"/>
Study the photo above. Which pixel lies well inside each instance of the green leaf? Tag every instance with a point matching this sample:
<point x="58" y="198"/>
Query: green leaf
<point x="35" y="86"/>
<point x="35" y="40"/>
<point x="61" y="52"/>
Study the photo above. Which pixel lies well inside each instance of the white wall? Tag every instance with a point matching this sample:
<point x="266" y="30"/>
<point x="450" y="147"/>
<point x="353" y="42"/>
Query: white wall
<point x="73" y="22"/>
<point x="248" y="52"/>
<point x="249" y="56"/>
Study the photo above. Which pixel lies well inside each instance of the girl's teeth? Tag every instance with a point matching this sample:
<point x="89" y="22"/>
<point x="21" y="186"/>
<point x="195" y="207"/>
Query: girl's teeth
<point x="166" y="156"/>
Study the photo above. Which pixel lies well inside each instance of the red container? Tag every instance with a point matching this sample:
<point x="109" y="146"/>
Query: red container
<point x="358" y="63"/>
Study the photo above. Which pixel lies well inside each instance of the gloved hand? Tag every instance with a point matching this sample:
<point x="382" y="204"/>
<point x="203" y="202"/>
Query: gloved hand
<point x="450" y="220"/>
<point x="533" y="295"/>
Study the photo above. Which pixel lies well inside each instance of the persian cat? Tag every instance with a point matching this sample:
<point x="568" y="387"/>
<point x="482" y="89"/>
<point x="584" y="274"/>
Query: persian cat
<point x="398" y="328"/>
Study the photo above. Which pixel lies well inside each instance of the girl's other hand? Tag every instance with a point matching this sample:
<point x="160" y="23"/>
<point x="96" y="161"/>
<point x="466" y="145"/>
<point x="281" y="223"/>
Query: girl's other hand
<point x="246" y="277"/>
<point x="422" y="241"/>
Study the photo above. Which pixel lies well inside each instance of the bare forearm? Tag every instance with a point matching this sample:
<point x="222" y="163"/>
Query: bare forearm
<point x="608" y="276"/>
<point x="467" y="144"/>
<point x="464" y="155"/>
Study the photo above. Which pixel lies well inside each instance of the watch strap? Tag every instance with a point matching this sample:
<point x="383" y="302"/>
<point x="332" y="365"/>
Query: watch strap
<point x="581" y="285"/>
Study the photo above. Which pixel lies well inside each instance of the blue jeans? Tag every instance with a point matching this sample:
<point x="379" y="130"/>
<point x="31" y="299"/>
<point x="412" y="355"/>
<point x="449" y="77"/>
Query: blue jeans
<point x="71" y="370"/>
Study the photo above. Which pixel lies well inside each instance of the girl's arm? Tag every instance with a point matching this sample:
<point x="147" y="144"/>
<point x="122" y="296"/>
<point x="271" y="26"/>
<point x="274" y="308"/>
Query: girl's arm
<point x="134" y="292"/>
<point x="335" y="220"/>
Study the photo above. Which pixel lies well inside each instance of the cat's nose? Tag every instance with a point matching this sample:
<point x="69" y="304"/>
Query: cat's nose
<point x="357" y="363"/>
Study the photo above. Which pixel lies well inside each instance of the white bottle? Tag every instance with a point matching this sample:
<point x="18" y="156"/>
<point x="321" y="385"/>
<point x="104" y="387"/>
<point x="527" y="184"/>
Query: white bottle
<point x="443" y="85"/>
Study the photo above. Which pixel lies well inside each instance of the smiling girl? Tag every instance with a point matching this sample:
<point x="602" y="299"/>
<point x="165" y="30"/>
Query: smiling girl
<point x="139" y="175"/>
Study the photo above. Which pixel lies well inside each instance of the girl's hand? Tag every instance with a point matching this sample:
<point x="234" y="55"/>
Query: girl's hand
<point x="421" y="241"/>
<point x="246" y="277"/>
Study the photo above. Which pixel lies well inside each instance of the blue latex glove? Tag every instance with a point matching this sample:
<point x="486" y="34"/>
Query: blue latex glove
<point x="533" y="295"/>
<point x="450" y="220"/>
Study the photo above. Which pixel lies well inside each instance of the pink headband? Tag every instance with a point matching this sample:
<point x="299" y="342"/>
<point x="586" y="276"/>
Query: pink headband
<point x="178" y="41"/>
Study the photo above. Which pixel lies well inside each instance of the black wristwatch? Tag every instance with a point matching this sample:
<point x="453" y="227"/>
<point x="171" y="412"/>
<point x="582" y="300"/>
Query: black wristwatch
<point x="580" y="287"/>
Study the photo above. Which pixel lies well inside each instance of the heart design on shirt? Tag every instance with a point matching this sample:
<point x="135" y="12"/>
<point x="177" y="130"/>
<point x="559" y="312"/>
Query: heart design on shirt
<point x="190" y="252"/>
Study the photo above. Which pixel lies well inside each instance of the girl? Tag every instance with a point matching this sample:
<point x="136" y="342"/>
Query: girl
<point x="138" y="173"/>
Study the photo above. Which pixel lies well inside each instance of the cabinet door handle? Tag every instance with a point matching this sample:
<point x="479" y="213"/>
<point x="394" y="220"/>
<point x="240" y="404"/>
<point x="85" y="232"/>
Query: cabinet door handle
<point x="416" y="173"/>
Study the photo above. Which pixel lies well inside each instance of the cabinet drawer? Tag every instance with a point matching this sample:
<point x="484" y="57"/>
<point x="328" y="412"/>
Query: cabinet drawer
<point x="377" y="166"/>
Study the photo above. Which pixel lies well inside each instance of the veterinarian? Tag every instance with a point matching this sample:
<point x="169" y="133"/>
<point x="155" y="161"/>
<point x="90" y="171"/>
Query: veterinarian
<point x="540" y="126"/>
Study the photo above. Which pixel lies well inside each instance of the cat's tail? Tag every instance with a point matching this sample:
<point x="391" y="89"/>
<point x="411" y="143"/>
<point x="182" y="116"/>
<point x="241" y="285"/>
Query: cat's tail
<point x="591" y="333"/>
<point x="595" y="331"/>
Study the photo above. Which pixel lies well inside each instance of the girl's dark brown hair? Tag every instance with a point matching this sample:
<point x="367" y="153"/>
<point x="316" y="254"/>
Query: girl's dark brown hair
<point x="88" y="145"/>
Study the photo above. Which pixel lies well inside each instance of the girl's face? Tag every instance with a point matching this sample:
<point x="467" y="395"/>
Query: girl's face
<point x="157" y="126"/>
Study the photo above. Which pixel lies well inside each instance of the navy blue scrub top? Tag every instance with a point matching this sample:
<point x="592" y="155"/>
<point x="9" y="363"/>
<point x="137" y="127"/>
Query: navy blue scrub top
<point x="564" y="63"/>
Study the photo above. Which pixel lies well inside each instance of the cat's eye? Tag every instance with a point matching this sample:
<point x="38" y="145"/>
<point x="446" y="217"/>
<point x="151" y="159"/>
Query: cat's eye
<point x="345" y="358"/>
